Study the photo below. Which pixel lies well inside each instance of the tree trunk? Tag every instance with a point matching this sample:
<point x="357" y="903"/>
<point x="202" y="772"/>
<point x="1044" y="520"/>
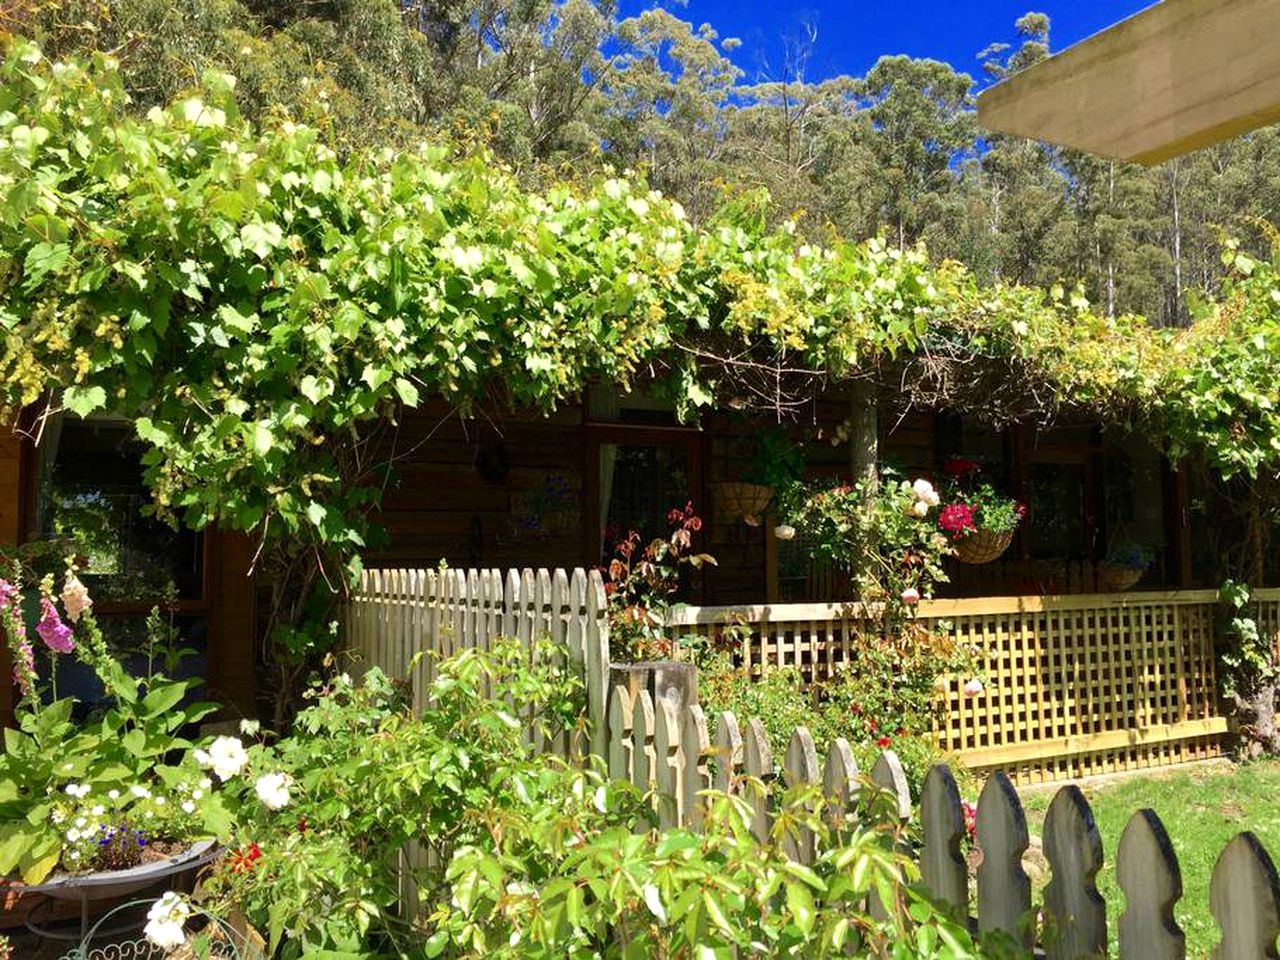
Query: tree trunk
<point x="864" y="435"/>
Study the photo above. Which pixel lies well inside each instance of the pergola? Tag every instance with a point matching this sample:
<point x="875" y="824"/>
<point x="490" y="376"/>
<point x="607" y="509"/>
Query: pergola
<point x="1180" y="75"/>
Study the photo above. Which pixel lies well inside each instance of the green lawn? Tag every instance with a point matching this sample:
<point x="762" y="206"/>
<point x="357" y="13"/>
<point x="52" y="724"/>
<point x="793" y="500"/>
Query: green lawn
<point x="1202" y="807"/>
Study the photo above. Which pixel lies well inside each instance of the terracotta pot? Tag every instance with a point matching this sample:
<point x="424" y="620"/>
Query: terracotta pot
<point x="982" y="546"/>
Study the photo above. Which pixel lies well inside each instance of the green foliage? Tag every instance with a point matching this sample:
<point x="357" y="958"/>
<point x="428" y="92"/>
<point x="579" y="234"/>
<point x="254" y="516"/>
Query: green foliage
<point x="52" y="756"/>
<point x="616" y="893"/>
<point x="262" y="308"/>
<point x="885" y="534"/>
<point x="641" y="584"/>
<point x="1245" y="652"/>
<point x="365" y="775"/>
<point x="885" y="697"/>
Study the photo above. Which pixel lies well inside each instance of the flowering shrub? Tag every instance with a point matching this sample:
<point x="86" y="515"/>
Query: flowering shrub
<point x="971" y="503"/>
<point x="640" y="585"/>
<point x="885" y="537"/>
<point x="101" y="794"/>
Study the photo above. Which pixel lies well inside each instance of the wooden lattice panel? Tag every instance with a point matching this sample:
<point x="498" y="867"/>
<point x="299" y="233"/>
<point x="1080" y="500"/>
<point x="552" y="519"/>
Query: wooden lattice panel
<point x="1074" y="686"/>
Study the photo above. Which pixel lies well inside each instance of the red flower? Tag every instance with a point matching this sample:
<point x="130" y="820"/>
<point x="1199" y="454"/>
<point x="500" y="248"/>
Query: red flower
<point x="957" y="520"/>
<point x="958" y="467"/>
<point x="242" y="861"/>
<point x="1021" y="510"/>
<point x="883" y="742"/>
<point x="302" y="823"/>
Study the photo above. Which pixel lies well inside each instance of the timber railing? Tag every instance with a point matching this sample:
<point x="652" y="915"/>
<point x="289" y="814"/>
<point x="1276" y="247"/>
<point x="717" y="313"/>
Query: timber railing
<point x="1073" y="685"/>
<point x="673" y="753"/>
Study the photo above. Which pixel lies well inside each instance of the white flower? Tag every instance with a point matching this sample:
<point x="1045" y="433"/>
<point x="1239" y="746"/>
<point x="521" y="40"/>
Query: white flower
<point x="139" y="791"/>
<point x="98" y="810"/>
<point x="924" y="491"/>
<point x="273" y="790"/>
<point x="161" y="801"/>
<point x="77" y="789"/>
<point x="57" y="816"/>
<point x="920" y="509"/>
<point x="226" y="756"/>
<point x="113" y="794"/>
<point x="188" y="806"/>
<point x="197" y="794"/>
<point x="165" y="920"/>
<point x="73" y="835"/>
<point x="81" y="822"/>
<point x="202" y="758"/>
<point x="249" y="728"/>
<point x="205" y="783"/>
<point x="75" y="854"/>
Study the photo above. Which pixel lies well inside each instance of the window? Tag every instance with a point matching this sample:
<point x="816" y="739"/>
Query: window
<point x="89" y="496"/>
<point x="89" y="492"/>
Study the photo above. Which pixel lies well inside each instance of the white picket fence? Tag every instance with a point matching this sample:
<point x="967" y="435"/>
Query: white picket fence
<point x="406" y="621"/>
<point x="674" y="755"/>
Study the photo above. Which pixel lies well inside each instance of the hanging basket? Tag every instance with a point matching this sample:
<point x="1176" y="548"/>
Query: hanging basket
<point x="982" y="546"/>
<point x="1115" y="578"/>
<point x="745" y="501"/>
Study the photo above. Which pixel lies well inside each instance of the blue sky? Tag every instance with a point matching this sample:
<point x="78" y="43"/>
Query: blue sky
<point x="852" y="34"/>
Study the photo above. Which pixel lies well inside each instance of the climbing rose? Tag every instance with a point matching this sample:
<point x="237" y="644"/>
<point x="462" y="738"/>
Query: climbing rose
<point x="957" y="520"/>
<point x="75" y="597"/>
<point x="55" y="633"/>
<point x="910" y="595"/>
<point x="972" y="687"/>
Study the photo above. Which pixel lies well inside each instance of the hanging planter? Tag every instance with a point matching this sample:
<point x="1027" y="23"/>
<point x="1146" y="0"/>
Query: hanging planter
<point x="1116" y="578"/>
<point x="982" y="546"/>
<point x="743" y="501"/>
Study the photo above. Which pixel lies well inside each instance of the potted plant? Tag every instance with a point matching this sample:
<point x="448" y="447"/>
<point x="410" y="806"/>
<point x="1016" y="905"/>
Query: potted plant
<point x="885" y="536"/>
<point x="979" y="521"/>
<point x="1124" y="566"/>
<point x="97" y="808"/>
<point x="774" y="465"/>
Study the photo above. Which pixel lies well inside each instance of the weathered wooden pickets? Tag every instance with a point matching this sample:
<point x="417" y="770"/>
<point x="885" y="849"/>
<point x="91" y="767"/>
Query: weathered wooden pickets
<point x="1148" y="873"/>
<point x="1244" y="897"/>
<point x="1004" y="889"/>
<point x="1075" y="914"/>
<point x="942" y="863"/>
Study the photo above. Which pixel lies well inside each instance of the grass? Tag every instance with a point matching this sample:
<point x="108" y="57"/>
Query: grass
<point x="1202" y="808"/>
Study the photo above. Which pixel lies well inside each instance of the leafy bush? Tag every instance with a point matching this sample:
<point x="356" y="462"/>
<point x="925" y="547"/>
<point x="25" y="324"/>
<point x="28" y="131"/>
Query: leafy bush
<point x="884" y="697"/>
<point x="718" y="892"/>
<point x="319" y="819"/>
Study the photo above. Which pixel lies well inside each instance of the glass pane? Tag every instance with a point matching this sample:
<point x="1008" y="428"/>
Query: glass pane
<point x="1056" y="523"/>
<point x="90" y="492"/>
<point x="638" y="485"/>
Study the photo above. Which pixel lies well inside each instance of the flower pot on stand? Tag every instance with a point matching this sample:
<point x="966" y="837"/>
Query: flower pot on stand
<point x="982" y="546"/>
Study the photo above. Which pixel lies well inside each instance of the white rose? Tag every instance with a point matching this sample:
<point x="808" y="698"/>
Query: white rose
<point x="165" y="934"/>
<point x="273" y="790"/>
<point x="920" y="509"/>
<point x="227" y="757"/>
<point x="924" y="491"/>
